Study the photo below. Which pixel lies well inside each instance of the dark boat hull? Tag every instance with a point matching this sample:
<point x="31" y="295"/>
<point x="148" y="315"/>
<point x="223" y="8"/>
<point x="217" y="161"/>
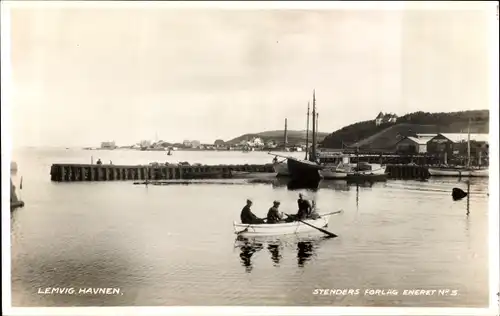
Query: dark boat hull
<point x="303" y="170"/>
<point x="367" y="177"/>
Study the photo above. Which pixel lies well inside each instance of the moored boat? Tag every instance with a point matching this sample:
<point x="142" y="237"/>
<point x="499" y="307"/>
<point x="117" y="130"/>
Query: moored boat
<point x="332" y="173"/>
<point x="281" y="228"/>
<point x="458" y="172"/>
<point x="480" y="173"/>
<point x="281" y="169"/>
<point x="366" y="171"/>
<point x="303" y="169"/>
<point x="307" y="170"/>
<point x="466" y="171"/>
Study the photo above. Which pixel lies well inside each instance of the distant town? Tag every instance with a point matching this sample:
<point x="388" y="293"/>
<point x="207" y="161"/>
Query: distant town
<point x="415" y="133"/>
<point x="253" y="144"/>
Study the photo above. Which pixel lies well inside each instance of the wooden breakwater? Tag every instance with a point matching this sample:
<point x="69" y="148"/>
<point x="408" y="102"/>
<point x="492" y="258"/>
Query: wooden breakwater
<point x="85" y="172"/>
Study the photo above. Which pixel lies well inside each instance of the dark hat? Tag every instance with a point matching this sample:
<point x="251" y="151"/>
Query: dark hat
<point x="276" y="203"/>
<point x="249" y="201"/>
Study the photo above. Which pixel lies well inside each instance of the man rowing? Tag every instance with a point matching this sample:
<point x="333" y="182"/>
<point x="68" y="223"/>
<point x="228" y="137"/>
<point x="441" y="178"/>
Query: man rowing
<point x="304" y="211"/>
<point x="305" y="208"/>
<point x="247" y="217"/>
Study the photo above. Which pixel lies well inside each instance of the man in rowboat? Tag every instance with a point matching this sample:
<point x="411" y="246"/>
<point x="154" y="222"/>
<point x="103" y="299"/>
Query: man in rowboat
<point x="304" y="212"/>
<point x="274" y="216"/>
<point x="304" y="208"/>
<point x="247" y="217"/>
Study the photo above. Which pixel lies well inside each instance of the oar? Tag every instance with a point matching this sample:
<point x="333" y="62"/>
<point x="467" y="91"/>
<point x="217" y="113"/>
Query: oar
<point x="320" y="229"/>
<point x="458" y="194"/>
<point x="331" y="213"/>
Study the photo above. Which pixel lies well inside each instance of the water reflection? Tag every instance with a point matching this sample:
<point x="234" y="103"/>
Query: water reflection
<point x="305" y="248"/>
<point x="337" y="185"/>
<point x="248" y="248"/>
<point x="276" y="256"/>
<point x="305" y="252"/>
<point x="292" y="184"/>
<point x="362" y="182"/>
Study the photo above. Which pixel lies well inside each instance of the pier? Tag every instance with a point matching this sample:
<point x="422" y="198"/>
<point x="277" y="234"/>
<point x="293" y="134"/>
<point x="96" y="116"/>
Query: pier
<point x="86" y="172"/>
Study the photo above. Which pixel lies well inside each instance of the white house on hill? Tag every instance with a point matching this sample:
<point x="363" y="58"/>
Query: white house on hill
<point x="385" y="118"/>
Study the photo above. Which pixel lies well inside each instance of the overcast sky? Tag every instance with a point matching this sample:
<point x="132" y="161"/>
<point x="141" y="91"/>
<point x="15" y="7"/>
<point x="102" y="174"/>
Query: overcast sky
<point x="82" y="76"/>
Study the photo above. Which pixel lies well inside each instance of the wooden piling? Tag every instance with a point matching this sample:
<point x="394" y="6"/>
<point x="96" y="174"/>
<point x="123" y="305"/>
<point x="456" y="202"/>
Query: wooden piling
<point x="89" y="172"/>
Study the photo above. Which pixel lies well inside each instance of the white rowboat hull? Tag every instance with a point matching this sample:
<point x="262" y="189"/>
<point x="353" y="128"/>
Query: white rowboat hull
<point x="282" y="228"/>
<point x="444" y="172"/>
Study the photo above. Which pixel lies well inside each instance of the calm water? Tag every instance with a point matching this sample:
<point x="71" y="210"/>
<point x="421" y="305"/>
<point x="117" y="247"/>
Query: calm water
<point x="175" y="245"/>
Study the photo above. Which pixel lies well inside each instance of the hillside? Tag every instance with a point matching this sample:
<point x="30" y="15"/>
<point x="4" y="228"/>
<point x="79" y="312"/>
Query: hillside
<point x="293" y="137"/>
<point x="366" y="135"/>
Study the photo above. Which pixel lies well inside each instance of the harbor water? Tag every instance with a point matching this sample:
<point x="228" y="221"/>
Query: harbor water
<point x="175" y="245"/>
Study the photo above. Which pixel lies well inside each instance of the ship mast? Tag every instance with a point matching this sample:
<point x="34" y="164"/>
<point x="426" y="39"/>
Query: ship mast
<point x="317" y="124"/>
<point x="468" y="146"/>
<point x="307" y="132"/>
<point x="313" y="151"/>
<point x="286" y="135"/>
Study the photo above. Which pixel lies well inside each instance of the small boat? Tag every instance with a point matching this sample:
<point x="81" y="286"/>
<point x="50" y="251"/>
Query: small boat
<point x="281" y="228"/>
<point x="366" y="171"/>
<point x="458" y="172"/>
<point x="480" y="173"/>
<point x="333" y="174"/>
<point x="466" y="171"/>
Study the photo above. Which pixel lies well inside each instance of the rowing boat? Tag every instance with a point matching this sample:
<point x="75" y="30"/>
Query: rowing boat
<point x="282" y="228"/>
<point x="458" y="172"/>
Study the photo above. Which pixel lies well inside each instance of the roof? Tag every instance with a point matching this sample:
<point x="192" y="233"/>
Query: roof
<point x="426" y="135"/>
<point x="462" y="137"/>
<point x="419" y="141"/>
<point x="380" y="115"/>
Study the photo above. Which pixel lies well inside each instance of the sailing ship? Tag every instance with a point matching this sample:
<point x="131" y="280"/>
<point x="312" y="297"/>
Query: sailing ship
<point x="468" y="171"/>
<point x="303" y="170"/>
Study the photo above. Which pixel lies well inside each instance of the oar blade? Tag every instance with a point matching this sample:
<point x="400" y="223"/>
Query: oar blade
<point x="320" y="229"/>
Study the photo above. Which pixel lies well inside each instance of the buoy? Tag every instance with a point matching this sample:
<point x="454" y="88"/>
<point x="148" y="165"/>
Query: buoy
<point x="458" y="194"/>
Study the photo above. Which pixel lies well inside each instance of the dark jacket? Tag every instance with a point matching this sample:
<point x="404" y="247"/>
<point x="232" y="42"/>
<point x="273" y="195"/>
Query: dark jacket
<point x="247" y="217"/>
<point x="304" y="208"/>
<point x="273" y="216"/>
